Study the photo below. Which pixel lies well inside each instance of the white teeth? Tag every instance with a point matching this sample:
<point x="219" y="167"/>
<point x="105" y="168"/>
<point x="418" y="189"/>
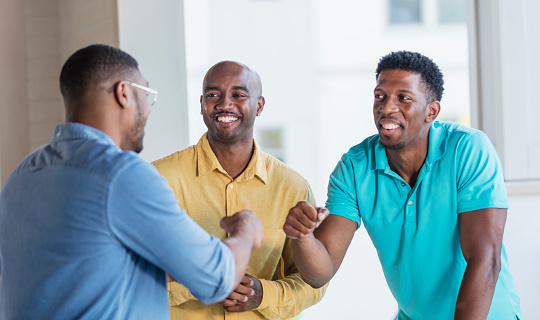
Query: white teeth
<point x="390" y="126"/>
<point x="227" y="119"/>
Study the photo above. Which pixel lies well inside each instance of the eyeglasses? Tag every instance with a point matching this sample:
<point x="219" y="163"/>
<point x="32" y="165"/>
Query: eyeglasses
<point x="151" y="94"/>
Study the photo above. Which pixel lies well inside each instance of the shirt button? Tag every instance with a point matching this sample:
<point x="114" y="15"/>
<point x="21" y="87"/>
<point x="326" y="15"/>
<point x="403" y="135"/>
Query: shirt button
<point x="231" y="186"/>
<point x="410" y="203"/>
<point x="403" y="184"/>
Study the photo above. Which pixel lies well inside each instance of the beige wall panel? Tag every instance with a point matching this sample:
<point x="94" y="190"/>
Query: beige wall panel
<point x="51" y="111"/>
<point x="43" y="68"/>
<point x="41" y="8"/>
<point x="14" y="119"/>
<point x="42" y="27"/>
<point x="39" y="90"/>
<point x="43" y="47"/>
<point x="40" y="133"/>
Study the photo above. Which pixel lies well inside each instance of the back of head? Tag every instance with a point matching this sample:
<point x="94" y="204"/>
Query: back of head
<point x="91" y="66"/>
<point x="432" y="76"/>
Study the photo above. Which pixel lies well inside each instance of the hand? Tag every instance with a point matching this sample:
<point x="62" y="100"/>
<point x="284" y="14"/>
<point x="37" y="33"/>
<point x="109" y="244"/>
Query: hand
<point x="244" y="221"/>
<point x="247" y="296"/>
<point x="303" y="219"/>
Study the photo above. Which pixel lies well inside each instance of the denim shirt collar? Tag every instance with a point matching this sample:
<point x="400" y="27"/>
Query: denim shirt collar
<point x="73" y="130"/>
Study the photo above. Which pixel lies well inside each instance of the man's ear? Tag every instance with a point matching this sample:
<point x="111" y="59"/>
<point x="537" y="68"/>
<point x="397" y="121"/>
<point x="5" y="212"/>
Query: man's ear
<point x="200" y="100"/>
<point x="121" y="94"/>
<point x="432" y="111"/>
<point x="260" y="105"/>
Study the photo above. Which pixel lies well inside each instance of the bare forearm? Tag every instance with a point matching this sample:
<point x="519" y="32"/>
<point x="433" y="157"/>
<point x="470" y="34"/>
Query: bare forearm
<point x="241" y="247"/>
<point x="246" y="234"/>
<point x="476" y="291"/>
<point x="313" y="261"/>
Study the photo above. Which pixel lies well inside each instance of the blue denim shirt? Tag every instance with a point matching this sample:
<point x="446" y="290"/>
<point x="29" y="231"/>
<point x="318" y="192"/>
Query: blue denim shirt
<point x="88" y="231"/>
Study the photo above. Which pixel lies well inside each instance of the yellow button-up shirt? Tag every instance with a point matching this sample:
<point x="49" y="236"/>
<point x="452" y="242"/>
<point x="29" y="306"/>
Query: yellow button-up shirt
<point x="267" y="187"/>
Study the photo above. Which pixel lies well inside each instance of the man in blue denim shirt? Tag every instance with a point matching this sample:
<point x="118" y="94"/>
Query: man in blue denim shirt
<point x="88" y="229"/>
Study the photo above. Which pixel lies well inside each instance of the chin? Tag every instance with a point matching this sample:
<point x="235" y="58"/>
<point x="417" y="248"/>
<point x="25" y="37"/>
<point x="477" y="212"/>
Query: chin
<point x="395" y="146"/>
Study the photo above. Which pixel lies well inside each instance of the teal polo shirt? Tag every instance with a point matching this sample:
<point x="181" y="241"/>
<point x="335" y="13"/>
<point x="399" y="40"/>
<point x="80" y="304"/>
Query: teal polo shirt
<point x="415" y="229"/>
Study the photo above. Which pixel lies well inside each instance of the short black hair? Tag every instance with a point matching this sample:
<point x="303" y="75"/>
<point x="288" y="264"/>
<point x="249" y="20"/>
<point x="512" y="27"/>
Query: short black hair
<point x="93" y="64"/>
<point x="432" y="76"/>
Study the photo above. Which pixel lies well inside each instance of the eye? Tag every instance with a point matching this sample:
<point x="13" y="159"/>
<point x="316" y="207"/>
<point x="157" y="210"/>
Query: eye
<point x="404" y="97"/>
<point x="210" y="95"/>
<point x="378" y="96"/>
<point x="240" y="95"/>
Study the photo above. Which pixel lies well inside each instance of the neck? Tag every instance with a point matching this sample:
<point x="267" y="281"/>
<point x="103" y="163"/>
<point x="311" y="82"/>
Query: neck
<point x="233" y="157"/>
<point x="99" y="121"/>
<point x="408" y="162"/>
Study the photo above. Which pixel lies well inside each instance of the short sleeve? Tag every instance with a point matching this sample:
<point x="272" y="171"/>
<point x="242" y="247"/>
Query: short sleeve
<point x="144" y="215"/>
<point x="341" y="192"/>
<point x="480" y="181"/>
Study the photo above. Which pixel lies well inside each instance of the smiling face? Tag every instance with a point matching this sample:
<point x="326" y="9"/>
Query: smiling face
<point x="230" y="102"/>
<point x="401" y="112"/>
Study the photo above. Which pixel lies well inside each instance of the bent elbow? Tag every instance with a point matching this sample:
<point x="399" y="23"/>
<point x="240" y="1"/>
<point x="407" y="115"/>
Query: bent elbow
<point x="315" y="283"/>
<point x="495" y="267"/>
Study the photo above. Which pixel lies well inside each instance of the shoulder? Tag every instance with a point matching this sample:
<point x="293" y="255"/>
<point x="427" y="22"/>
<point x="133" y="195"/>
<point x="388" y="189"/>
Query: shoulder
<point x="464" y="142"/>
<point x="362" y="153"/>
<point x="176" y="159"/>
<point x="458" y="133"/>
<point x="277" y="170"/>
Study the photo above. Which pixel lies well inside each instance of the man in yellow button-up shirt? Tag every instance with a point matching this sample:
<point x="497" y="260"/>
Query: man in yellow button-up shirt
<point x="226" y="172"/>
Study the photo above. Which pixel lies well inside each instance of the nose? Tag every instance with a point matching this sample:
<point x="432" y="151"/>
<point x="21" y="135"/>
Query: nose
<point x="225" y="102"/>
<point x="387" y="106"/>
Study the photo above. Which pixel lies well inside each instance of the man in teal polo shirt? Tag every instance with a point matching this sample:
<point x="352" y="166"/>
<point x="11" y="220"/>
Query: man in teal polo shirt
<point x="431" y="196"/>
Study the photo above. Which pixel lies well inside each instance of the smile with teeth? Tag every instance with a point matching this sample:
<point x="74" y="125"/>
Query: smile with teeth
<point x="226" y="118"/>
<point x="390" y="126"/>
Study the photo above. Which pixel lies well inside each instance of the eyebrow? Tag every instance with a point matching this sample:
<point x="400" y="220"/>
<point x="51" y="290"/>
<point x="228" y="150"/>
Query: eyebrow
<point x="400" y="90"/>
<point x="210" y="88"/>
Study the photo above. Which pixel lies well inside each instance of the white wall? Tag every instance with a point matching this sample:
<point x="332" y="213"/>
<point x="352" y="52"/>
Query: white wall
<point x="505" y="78"/>
<point x="505" y="85"/>
<point x="153" y="32"/>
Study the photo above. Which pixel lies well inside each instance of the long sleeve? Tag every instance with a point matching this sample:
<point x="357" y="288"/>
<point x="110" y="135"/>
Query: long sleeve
<point x="174" y="243"/>
<point x="288" y="296"/>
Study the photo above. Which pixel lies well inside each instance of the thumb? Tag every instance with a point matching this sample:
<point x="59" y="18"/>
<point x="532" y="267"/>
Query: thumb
<point x="322" y="213"/>
<point x="226" y="222"/>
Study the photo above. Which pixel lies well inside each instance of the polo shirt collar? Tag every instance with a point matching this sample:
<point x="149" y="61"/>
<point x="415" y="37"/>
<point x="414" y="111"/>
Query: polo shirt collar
<point x="436" y="148"/>
<point x="208" y="162"/>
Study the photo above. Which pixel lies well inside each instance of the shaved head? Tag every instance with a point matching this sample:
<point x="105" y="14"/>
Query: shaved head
<point x="255" y="80"/>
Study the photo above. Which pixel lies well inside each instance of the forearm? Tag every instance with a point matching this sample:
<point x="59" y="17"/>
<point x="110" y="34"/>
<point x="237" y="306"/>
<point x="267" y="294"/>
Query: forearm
<point x="477" y="289"/>
<point x="241" y="246"/>
<point x="313" y="261"/>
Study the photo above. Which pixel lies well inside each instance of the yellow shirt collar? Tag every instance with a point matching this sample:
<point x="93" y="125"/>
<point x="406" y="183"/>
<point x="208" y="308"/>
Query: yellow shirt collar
<point x="208" y="162"/>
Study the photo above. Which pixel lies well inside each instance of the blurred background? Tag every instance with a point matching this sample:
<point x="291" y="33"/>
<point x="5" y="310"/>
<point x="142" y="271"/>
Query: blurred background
<point x="317" y="61"/>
